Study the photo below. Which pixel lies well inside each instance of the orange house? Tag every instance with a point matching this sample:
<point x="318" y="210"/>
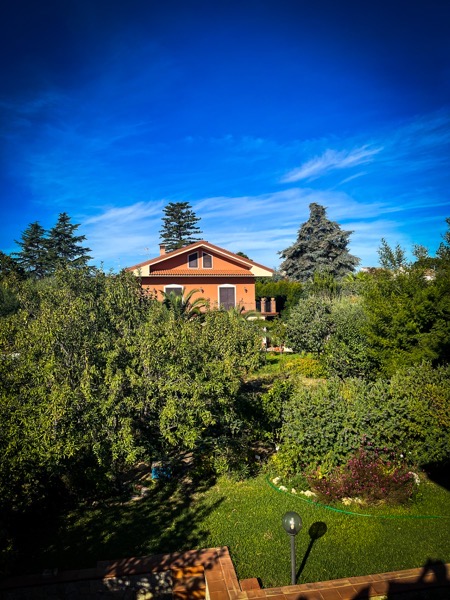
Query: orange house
<point x="222" y="277"/>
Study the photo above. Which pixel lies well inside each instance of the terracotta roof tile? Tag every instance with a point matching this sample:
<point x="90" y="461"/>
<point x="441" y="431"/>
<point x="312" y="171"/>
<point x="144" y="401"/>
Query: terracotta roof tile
<point x="199" y="273"/>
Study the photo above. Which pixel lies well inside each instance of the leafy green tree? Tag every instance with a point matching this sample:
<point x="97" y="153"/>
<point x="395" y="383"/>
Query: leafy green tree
<point x="179" y="226"/>
<point x="443" y="251"/>
<point x="192" y="373"/>
<point x="391" y="258"/>
<point x="407" y="313"/>
<point x="63" y="245"/>
<point x="65" y="394"/>
<point x="321" y="246"/>
<point x="323" y="284"/>
<point x="309" y="325"/>
<point x="33" y="256"/>
<point x="94" y="375"/>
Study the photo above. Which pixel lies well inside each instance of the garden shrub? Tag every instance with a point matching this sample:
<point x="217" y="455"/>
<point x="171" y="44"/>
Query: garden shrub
<point x="324" y="424"/>
<point x="366" y="477"/>
<point x="309" y="325"/>
<point x="306" y="366"/>
<point x="272" y="404"/>
<point x="346" y="352"/>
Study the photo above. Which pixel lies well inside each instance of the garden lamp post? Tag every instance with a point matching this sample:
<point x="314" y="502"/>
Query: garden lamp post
<point x="292" y="524"/>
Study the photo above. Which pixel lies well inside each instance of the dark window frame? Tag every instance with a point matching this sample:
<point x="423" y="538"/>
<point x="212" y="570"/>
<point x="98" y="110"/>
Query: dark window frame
<point x="211" y="260"/>
<point x="190" y="262"/>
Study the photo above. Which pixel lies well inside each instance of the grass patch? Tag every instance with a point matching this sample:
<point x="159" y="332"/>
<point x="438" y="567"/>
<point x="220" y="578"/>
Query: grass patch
<point x="246" y="517"/>
<point x="275" y="363"/>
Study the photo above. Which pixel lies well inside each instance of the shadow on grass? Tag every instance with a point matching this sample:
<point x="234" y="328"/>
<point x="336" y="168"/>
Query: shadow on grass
<point x="316" y="531"/>
<point x="433" y="583"/>
<point x="168" y="519"/>
<point x="439" y="473"/>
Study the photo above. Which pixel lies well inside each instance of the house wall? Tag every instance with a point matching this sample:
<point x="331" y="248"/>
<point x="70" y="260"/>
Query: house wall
<point x="244" y="286"/>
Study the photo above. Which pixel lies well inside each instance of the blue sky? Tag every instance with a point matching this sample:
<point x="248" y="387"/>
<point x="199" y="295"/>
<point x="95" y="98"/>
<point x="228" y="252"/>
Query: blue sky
<point x="248" y="110"/>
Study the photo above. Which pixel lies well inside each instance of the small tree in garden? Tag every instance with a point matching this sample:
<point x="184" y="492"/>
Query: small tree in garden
<point x="309" y="325"/>
<point x="347" y="352"/>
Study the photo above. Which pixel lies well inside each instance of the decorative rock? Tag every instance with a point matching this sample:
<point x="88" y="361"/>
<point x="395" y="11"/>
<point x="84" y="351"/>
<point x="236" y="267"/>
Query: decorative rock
<point x="308" y="493"/>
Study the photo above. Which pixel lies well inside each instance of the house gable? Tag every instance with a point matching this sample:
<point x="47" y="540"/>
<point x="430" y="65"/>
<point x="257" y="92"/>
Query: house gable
<point x="223" y="262"/>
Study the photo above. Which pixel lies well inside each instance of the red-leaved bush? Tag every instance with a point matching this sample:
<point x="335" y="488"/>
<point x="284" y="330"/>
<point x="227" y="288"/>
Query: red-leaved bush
<point x="366" y="476"/>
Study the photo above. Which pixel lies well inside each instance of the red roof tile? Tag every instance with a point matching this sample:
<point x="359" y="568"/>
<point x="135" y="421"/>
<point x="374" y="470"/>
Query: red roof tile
<point x="199" y="273"/>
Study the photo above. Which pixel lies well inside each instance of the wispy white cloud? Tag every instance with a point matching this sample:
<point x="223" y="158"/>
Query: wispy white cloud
<point x="122" y="236"/>
<point x="126" y="214"/>
<point x="331" y="160"/>
<point x="352" y="177"/>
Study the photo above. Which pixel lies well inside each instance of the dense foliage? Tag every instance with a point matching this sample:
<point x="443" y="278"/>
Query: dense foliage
<point x="321" y="246"/>
<point x="407" y="316"/>
<point x="286" y="293"/>
<point x="179" y="226"/>
<point x="309" y="325"/>
<point x="347" y="352"/>
<point x="44" y="252"/>
<point x="324" y="424"/>
<point x="95" y="375"/>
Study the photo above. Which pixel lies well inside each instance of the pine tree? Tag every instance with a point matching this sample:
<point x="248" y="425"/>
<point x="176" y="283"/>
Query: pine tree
<point x="179" y="226"/>
<point x="63" y="245"/>
<point x="33" y="257"/>
<point x="321" y="247"/>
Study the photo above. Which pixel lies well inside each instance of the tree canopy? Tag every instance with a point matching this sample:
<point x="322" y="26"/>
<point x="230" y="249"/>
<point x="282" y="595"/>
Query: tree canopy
<point x="33" y="256"/>
<point x="95" y="374"/>
<point x="63" y="245"/>
<point x="179" y="226"/>
<point x="321" y="246"/>
<point x="42" y="252"/>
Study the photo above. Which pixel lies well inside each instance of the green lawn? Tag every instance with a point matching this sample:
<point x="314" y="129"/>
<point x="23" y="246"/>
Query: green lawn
<point x="246" y="517"/>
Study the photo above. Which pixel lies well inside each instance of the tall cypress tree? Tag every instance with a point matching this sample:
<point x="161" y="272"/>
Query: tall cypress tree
<point x="179" y="226"/>
<point x="63" y="245"/>
<point x="321" y="247"/>
<point x="33" y="256"/>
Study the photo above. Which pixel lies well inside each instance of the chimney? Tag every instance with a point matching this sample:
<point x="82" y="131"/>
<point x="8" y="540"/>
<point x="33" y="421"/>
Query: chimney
<point x="162" y="249"/>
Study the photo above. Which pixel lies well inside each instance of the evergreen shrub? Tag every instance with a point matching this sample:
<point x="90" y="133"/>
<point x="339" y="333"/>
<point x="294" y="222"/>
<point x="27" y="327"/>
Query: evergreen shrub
<point x="323" y="425"/>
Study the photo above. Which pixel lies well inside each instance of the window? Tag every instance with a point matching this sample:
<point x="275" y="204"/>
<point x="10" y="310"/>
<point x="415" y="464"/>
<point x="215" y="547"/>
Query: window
<point x="227" y="296"/>
<point x="207" y="261"/>
<point x="193" y="260"/>
<point x="174" y="289"/>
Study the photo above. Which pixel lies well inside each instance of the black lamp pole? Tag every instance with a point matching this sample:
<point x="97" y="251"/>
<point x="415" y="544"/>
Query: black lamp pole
<point x="292" y="524"/>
